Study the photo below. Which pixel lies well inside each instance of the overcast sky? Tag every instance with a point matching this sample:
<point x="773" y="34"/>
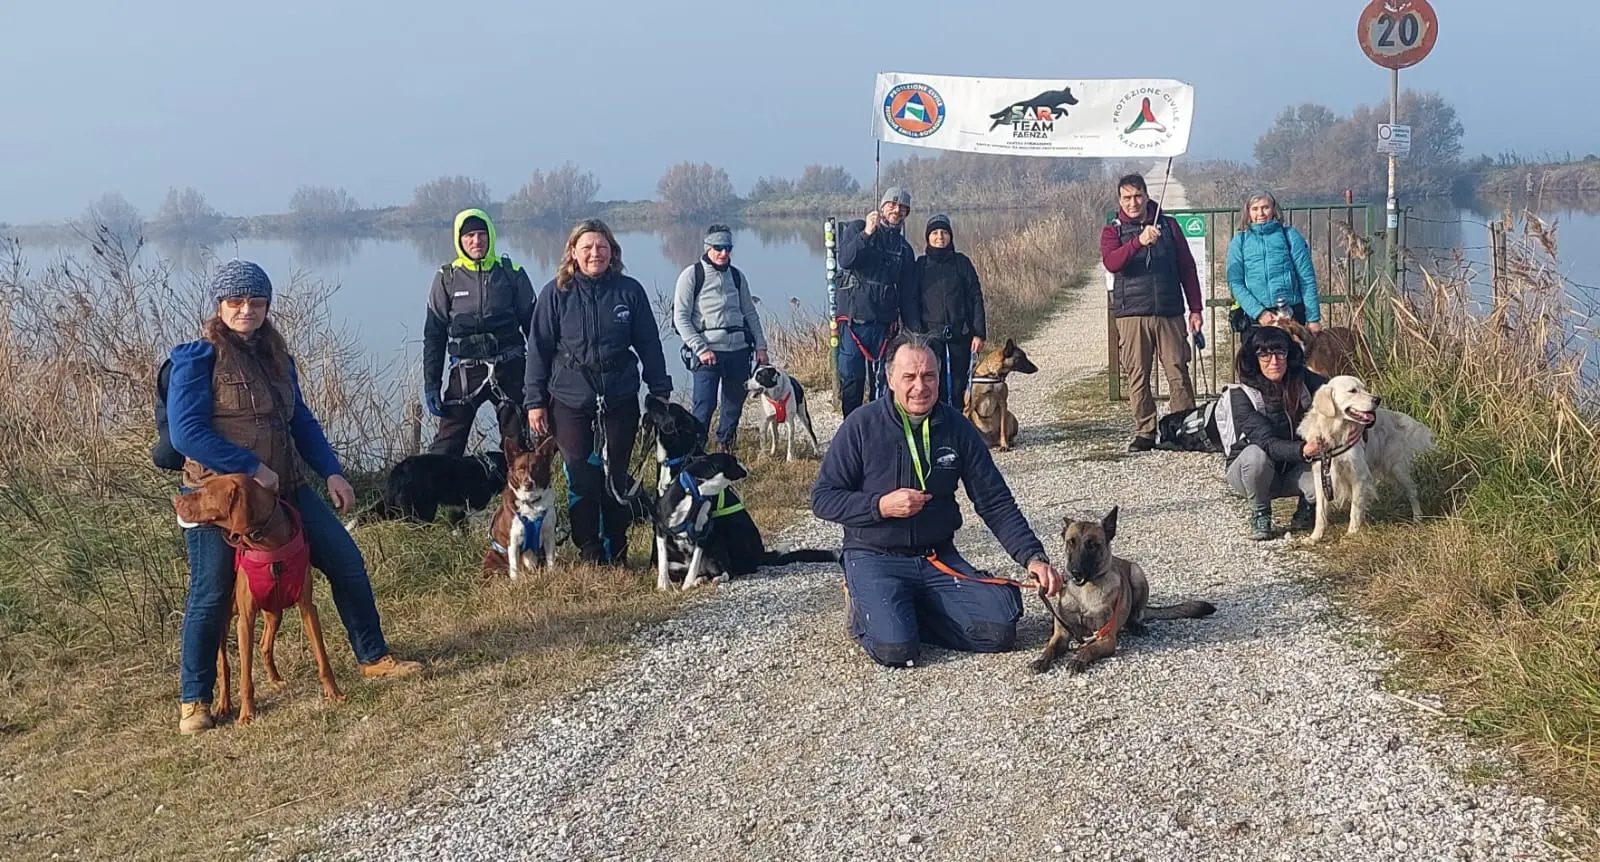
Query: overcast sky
<point x="248" y="101"/>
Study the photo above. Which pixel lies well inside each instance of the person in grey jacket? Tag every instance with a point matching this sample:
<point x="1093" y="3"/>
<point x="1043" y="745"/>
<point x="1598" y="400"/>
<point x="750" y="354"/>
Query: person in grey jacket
<point x="717" y="320"/>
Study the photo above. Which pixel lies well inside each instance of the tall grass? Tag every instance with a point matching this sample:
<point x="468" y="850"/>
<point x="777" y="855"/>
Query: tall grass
<point x="1500" y="598"/>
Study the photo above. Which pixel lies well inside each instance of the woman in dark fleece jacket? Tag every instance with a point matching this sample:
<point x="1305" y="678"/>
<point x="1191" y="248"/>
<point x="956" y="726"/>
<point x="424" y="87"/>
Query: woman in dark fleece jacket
<point x="1257" y="420"/>
<point x="952" y="309"/>
<point x="593" y="328"/>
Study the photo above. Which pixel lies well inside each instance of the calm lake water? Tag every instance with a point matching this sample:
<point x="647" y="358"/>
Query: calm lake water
<point x="382" y="284"/>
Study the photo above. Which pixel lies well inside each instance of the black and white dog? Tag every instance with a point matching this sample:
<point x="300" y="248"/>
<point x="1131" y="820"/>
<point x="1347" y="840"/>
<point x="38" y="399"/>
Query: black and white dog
<point x="419" y="485"/>
<point x="703" y="530"/>
<point x="783" y="403"/>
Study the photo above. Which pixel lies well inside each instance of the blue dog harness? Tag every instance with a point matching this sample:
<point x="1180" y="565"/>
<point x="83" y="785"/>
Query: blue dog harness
<point x="531" y="539"/>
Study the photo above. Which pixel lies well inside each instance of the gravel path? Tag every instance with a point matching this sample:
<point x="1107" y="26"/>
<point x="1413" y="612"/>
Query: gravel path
<point x="751" y="728"/>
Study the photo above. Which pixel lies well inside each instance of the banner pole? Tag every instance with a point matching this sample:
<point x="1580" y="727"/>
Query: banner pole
<point x="877" y="161"/>
<point x="1162" y="202"/>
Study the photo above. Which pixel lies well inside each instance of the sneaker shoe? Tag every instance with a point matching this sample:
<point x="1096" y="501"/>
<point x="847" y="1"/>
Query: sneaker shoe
<point x="195" y="718"/>
<point x="1141" y="443"/>
<point x="1261" y="524"/>
<point x="390" y="667"/>
<point x="1305" y="516"/>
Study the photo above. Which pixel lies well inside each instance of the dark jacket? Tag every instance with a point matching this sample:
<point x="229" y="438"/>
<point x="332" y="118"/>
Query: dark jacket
<point x="950" y="294"/>
<point x="1149" y="281"/>
<point x="868" y="458"/>
<point x="220" y="426"/>
<point x="476" y="309"/>
<point x="1271" y="427"/>
<point x="597" y="332"/>
<point x="878" y="277"/>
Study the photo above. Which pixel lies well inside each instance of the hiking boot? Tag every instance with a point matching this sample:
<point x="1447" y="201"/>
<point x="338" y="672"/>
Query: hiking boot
<point x="195" y="718"/>
<point x="1305" y="516"/>
<point x="390" y="667"/>
<point x="1261" y="524"/>
<point x="1142" y="443"/>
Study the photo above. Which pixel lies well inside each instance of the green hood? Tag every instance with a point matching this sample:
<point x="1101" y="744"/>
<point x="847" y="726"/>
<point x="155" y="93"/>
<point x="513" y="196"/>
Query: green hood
<point x="490" y="258"/>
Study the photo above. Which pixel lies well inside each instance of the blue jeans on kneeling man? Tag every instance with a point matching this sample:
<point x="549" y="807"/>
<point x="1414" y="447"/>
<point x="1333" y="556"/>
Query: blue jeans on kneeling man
<point x="898" y="603"/>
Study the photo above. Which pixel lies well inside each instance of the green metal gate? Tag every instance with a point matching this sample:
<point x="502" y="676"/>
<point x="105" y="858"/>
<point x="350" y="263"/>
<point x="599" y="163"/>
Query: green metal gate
<point x="1346" y="244"/>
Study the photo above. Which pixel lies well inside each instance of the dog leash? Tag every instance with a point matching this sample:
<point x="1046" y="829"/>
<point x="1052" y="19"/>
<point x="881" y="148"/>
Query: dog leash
<point x="1054" y="608"/>
<point x="1325" y="459"/>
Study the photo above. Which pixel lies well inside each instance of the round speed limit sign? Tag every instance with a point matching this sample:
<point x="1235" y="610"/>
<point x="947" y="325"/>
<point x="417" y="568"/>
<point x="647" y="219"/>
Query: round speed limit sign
<point x="1397" y="33"/>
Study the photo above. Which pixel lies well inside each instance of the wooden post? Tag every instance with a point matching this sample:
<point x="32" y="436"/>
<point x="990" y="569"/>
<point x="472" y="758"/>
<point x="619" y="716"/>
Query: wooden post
<point x="411" y="444"/>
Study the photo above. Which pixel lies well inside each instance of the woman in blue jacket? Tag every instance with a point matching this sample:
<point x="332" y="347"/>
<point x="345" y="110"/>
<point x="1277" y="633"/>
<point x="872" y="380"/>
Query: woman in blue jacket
<point x="1269" y="264"/>
<point x="234" y="406"/>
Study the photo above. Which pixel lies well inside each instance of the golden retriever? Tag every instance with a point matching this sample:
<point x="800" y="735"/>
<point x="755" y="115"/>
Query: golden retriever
<point x="1367" y="442"/>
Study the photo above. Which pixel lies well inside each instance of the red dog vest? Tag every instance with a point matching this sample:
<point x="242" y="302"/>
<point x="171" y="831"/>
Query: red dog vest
<point x="278" y="576"/>
<point x="780" y="409"/>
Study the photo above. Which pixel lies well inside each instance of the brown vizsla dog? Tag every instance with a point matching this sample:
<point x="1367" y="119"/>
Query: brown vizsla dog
<point x="253" y="519"/>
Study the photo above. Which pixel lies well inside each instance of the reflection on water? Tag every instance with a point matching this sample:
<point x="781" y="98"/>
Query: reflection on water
<point x="383" y="280"/>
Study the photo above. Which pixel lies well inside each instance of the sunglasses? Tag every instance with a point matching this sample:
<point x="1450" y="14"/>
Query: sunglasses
<point x="1272" y="353"/>
<point x="722" y="248"/>
<point x="242" y="301"/>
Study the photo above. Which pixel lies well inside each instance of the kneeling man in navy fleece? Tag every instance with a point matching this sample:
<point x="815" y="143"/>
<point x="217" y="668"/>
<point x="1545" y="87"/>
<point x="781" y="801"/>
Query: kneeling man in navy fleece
<point x="890" y="479"/>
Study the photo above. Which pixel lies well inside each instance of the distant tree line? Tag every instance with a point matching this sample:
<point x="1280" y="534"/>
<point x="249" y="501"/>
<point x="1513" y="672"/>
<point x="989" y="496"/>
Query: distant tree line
<point x="1309" y="152"/>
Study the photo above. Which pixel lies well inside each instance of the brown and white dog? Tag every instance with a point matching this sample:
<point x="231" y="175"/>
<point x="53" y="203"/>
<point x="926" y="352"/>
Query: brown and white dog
<point x="988" y="396"/>
<point x="253" y="518"/>
<point x="523" y="533"/>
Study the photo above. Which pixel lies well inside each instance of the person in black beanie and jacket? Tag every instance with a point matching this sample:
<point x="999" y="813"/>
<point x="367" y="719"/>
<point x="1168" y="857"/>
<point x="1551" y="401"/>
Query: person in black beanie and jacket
<point x="952" y="309"/>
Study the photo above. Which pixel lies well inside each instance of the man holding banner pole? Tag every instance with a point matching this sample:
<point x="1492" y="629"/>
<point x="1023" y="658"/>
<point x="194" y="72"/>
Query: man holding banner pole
<point x="876" y="296"/>
<point x="1153" y="277"/>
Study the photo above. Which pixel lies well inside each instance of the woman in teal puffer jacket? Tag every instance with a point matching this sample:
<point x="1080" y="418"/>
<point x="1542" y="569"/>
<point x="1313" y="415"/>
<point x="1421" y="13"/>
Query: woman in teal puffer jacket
<point x="1269" y="264"/>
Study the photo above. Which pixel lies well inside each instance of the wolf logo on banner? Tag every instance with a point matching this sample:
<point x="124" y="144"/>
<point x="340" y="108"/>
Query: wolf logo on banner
<point x="1043" y="108"/>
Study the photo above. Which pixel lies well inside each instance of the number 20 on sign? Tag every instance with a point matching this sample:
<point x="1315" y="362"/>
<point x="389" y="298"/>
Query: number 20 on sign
<point x="1398" y="33"/>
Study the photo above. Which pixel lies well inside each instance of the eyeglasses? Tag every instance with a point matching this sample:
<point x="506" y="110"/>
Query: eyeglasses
<point x="722" y="248"/>
<point x="1272" y="353"/>
<point x="237" y="302"/>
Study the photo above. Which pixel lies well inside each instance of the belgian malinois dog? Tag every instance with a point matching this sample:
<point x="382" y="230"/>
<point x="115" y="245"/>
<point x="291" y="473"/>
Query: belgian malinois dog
<point x="987" y="397"/>
<point x="1104" y="596"/>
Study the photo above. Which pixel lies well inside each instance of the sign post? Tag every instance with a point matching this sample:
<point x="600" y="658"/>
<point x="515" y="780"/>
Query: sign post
<point x="1396" y="34"/>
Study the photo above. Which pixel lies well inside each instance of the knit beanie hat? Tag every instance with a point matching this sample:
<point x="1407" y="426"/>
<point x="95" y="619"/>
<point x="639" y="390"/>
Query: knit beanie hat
<point x="238" y="278"/>
<point x="896" y="194"/>
<point x="719" y="235"/>
<point x="939" y="222"/>
<point x="472" y="223"/>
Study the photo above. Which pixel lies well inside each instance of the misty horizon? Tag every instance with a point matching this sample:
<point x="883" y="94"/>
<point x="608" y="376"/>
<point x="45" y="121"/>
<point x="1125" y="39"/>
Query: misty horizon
<point x="248" y="105"/>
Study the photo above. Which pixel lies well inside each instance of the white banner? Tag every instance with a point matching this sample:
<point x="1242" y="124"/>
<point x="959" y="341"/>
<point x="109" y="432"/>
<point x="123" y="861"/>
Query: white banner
<point x="1064" y="117"/>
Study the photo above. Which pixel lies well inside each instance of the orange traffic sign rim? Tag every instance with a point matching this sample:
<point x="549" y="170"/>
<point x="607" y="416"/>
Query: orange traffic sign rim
<point x="1397" y="33"/>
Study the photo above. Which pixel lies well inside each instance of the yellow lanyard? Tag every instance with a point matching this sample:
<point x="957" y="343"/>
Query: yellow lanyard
<point x="911" y="442"/>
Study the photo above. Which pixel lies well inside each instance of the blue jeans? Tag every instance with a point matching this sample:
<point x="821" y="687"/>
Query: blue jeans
<point x="205" y="618"/>
<point x="899" y="603"/>
<point x="730" y="373"/>
<point x="852" y="363"/>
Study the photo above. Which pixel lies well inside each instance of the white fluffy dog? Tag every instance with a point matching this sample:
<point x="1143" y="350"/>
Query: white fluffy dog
<point x="1360" y="441"/>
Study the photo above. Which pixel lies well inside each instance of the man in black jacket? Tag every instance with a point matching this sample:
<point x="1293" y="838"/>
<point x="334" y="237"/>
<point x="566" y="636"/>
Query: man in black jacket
<point x="952" y="308"/>
<point x="906" y="583"/>
<point x="877" y="293"/>
<point x="479" y="310"/>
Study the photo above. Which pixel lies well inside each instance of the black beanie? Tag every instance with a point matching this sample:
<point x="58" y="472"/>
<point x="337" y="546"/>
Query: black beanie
<point x="472" y="223"/>
<point x="939" y="222"/>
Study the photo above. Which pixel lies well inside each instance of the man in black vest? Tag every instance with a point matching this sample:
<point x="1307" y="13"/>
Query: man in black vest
<point x="1153" y="277"/>
<point x="479" y="312"/>
<point x="877" y="294"/>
